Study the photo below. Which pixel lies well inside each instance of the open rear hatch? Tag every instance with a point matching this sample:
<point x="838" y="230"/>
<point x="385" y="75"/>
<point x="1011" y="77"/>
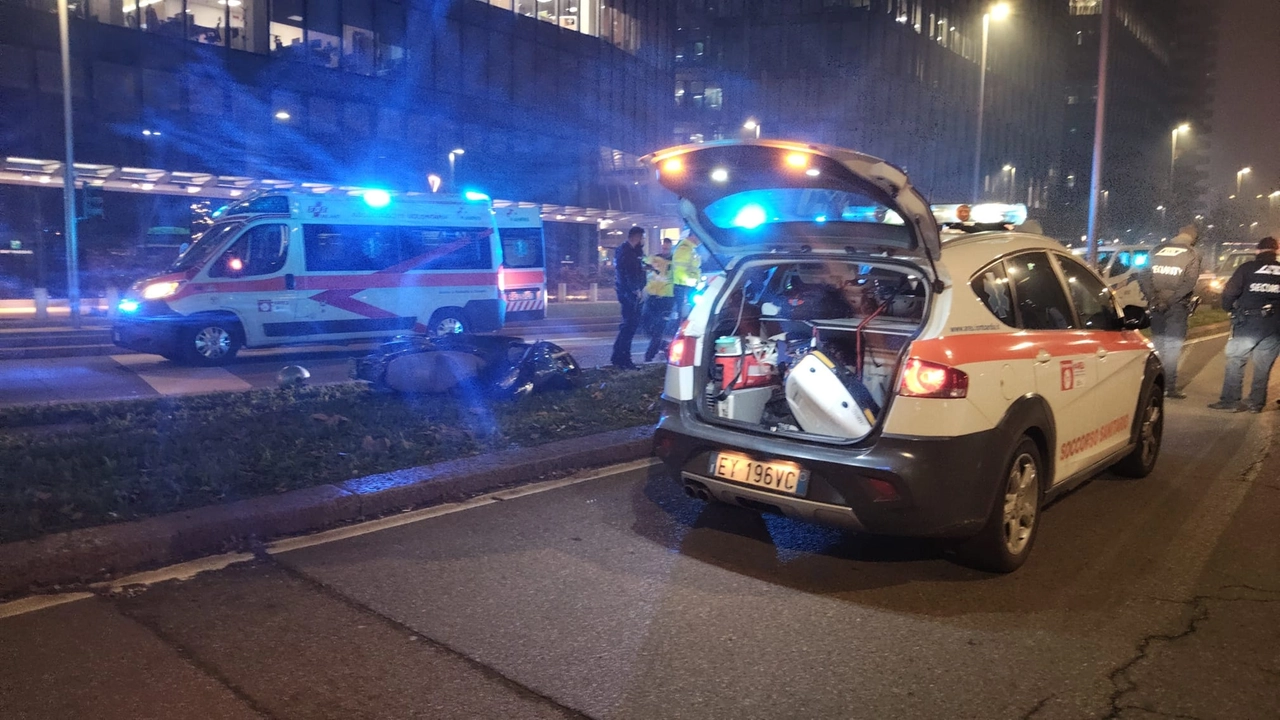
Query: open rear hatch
<point x="831" y="258"/>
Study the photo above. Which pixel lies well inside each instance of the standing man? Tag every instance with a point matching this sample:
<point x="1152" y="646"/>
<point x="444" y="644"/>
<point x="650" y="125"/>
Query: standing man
<point x="686" y="271"/>
<point x="628" y="264"/>
<point x="1252" y="296"/>
<point x="1168" y="283"/>
<point x="659" y="300"/>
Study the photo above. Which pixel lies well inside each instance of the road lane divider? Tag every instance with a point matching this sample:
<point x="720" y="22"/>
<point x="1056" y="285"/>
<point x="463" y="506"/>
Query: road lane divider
<point x="170" y="379"/>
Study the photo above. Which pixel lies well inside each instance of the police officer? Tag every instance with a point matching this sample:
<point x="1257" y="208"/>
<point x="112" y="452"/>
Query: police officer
<point x="629" y="282"/>
<point x="1252" y="296"/>
<point x="1168" y="283"/>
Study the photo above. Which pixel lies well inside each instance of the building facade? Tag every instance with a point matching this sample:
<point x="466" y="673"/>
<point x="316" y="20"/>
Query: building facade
<point x="897" y="79"/>
<point x="546" y="102"/>
<point x="1157" y="123"/>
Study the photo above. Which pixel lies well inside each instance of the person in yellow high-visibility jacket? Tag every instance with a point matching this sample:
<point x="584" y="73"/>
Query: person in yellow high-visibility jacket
<point x="686" y="272"/>
<point x="659" y="299"/>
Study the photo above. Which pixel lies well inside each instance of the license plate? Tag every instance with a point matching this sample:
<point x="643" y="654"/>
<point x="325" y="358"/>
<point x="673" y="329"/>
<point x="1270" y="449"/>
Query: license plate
<point x="775" y="475"/>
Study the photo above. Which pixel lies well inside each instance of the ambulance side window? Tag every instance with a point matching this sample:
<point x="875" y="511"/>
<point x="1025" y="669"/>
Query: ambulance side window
<point x="261" y="250"/>
<point x="1092" y="299"/>
<point x="991" y="284"/>
<point x="1042" y="304"/>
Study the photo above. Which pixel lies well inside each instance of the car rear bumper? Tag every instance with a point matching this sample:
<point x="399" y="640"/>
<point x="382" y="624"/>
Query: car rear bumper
<point x="906" y="486"/>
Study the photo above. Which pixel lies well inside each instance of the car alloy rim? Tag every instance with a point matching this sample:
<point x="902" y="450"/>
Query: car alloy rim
<point x="1020" y="503"/>
<point x="1150" y="427"/>
<point x="213" y="342"/>
<point x="449" y="326"/>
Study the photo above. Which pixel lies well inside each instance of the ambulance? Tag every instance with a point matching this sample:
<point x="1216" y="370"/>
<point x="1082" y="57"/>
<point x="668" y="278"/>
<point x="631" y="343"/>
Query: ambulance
<point x="285" y="267"/>
<point x="851" y="367"/>
<point x="523" y="276"/>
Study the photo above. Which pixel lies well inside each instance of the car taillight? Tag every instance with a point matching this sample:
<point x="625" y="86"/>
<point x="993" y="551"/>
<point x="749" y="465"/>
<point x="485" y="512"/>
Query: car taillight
<point x="921" y="378"/>
<point x="681" y="351"/>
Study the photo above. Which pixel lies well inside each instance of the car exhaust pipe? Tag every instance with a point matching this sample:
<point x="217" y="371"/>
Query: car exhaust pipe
<point x="690" y="491"/>
<point x="704" y="495"/>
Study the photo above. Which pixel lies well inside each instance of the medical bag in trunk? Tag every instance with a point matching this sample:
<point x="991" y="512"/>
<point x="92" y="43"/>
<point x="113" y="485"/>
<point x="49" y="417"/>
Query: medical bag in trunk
<point x="827" y="399"/>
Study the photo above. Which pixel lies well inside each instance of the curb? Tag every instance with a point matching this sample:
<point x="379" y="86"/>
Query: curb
<point x="78" y="556"/>
<point x="1207" y="330"/>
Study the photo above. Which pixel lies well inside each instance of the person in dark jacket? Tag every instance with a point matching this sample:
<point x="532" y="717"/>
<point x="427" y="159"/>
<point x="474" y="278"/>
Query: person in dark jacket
<point x="1252" y="296"/>
<point x="1168" y="283"/>
<point x="628" y="262"/>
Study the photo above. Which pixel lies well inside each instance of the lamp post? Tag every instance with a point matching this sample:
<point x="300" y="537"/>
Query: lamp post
<point x="1173" y="151"/>
<point x="999" y="11"/>
<point x="1240" y="178"/>
<point x="751" y="125"/>
<point x="1099" y="127"/>
<point x="1162" y="210"/>
<point x="69" y="173"/>
<point x="1013" y="181"/>
<point x="453" y="159"/>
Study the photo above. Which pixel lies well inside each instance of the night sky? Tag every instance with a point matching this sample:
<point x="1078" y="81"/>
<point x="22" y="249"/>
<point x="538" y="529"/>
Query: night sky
<point x="1246" y="130"/>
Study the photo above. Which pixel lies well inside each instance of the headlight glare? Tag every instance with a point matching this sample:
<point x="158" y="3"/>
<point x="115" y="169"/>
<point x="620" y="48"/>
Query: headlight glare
<point x="155" y="291"/>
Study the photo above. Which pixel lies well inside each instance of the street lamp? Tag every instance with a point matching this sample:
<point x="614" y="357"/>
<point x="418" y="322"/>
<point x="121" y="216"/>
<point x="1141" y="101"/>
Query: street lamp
<point x="1013" y="181"/>
<point x="752" y="126"/>
<point x="1173" y="150"/>
<point x="69" y="173"/>
<point x="1240" y="177"/>
<point x="999" y="11"/>
<point x="453" y="156"/>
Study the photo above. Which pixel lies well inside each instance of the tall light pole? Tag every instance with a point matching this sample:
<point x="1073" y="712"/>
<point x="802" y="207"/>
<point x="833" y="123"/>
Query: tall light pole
<point x="69" y="173"/>
<point x="1173" y="152"/>
<point x="999" y="11"/>
<point x="1240" y="178"/>
<point x="1013" y="181"/>
<point x="1099" y="126"/>
<point x="453" y="159"/>
<point x="752" y="125"/>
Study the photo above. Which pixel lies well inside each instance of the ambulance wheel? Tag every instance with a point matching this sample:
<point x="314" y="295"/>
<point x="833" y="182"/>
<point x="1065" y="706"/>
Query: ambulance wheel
<point x="447" y="321"/>
<point x="1142" y="460"/>
<point x="1005" y="541"/>
<point x="213" y="342"/>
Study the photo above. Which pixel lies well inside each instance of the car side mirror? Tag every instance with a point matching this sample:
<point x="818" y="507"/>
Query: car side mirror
<point x="1136" y="318"/>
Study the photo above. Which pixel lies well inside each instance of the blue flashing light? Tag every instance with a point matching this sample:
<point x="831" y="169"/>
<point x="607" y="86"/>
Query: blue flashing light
<point x="820" y="219"/>
<point x="377" y="198"/>
<point x="750" y="217"/>
<point x="1139" y="259"/>
<point x="128" y="306"/>
<point x="474" y="196"/>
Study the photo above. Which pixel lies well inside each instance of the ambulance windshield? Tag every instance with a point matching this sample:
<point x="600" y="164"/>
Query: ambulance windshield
<point x="204" y="246"/>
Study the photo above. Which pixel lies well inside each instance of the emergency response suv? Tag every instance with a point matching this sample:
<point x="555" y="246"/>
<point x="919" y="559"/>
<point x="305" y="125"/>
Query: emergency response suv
<point x="851" y="368"/>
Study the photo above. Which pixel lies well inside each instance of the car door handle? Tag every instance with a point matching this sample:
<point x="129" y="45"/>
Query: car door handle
<point x="1102" y="352"/>
<point x="1043" y="357"/>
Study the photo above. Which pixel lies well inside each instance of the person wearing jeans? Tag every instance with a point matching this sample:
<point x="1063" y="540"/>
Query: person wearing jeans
<point x="1252" y="296"/>
<point x="1168" y="283"/>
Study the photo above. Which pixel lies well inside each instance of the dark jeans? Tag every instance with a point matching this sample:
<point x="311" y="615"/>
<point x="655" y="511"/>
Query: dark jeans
<point x="683" y="305"/>
<point x="1168" y="333"/>
<point x="1257" y="337"/>
<point x="630" y="304"/>
<point x="657" y="323"/>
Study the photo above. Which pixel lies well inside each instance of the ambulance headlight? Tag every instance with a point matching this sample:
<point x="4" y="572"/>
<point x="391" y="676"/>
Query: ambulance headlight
<point x="1216" y="284"/>
<point x="156" y="291"/>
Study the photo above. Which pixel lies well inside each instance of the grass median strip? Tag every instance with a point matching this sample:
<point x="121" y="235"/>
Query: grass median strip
<point x="76" y="465"/>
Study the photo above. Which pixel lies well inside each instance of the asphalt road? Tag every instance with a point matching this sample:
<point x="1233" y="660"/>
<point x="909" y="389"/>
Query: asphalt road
<point x="618" y="597"/>
<point x="131" y="375"/>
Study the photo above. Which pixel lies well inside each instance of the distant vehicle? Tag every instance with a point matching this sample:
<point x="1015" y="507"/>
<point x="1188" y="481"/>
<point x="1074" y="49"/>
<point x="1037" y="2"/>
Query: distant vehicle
<point x="286" y="267"/>
<point x="1119" y="266"/>
<point x="523" y="278"/>
<point x="1227" y="265"/>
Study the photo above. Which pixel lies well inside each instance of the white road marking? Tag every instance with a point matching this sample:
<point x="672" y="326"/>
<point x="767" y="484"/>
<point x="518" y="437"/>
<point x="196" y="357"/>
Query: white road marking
<point x="364" y="528"/>
<point x="38" y="602"/>
<point x="169" y="379"/>
<point x="181" y="571"/>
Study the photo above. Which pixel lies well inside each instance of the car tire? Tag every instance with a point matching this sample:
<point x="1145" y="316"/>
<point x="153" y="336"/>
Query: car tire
<point x="1004" y="543"/>
<point x="1150" y="433"/>
<point x="213" y="342"/>
<point x="448" y="321"/>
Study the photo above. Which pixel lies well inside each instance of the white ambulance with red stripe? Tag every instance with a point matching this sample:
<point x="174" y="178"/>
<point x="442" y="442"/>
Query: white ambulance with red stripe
<point x="284" y="267"/>
<point x="523" y="278"/>
<point x="850" y="367"/>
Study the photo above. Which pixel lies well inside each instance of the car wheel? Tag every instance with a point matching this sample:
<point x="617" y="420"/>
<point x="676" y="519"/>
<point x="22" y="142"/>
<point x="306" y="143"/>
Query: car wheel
<point x="1005" y="541"/>
<point x="1140" y="462"/>
<point x="447" y="321"/>
<point x="211" y="343"/>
